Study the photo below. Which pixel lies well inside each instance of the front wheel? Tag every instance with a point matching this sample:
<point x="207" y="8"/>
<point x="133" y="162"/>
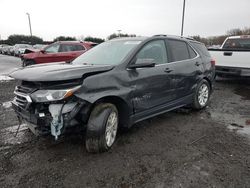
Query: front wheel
<point x="102" y="128"/>
<point x="202" y="95"/>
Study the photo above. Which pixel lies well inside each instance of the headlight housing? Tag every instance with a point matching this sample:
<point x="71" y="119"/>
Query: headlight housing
<point x="53" y="95"/>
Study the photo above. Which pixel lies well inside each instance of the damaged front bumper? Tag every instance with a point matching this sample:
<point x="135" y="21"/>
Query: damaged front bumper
<point x="44" y="119"/>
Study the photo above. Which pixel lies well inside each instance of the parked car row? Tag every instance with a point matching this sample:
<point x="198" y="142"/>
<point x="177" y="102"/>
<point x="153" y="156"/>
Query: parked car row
<point x="62" y="51"/>
<point x="15" y="50"/>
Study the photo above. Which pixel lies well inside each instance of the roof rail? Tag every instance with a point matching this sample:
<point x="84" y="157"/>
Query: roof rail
<point x="189" y="38"/>
<point x="160" y="35"/>
<point x="175" y="36"/>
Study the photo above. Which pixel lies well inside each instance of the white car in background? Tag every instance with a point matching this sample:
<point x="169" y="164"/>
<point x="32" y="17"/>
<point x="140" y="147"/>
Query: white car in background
<point x="233" y="58"/>
<point x="19" y="49"/>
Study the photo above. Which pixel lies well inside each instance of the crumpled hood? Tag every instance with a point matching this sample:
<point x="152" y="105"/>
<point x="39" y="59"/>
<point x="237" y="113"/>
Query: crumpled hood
<point x="56" y="72"/>
<point x="31" y="53"/>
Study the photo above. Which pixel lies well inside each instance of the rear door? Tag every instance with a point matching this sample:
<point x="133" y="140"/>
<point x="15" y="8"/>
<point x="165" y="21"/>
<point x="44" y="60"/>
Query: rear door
<point x="187" y="65"/>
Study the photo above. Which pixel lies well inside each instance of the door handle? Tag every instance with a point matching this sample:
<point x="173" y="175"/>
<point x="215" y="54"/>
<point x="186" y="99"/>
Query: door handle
<point x="197" y="64"/>
<point x="228" y="53"/>
<point x="167" y="70"/>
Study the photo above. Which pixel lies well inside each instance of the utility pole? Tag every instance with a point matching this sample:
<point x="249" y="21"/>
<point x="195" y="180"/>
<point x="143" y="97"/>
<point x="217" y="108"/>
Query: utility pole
<point x="29" y="23"/>
<point x="119" y="33"/>
<point x="183" y="16"/>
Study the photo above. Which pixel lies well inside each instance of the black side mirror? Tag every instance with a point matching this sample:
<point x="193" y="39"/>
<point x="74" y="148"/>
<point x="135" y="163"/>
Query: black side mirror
<point x="43" y="51"/>
<point x="142" y="63"/>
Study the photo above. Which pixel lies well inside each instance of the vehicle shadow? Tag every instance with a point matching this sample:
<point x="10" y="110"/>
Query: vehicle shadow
<point x="234" y="80"/>
<point x="241" y="85"/>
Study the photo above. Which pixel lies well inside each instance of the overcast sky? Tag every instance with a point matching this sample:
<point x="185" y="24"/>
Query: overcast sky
<point x="100" y="18"/>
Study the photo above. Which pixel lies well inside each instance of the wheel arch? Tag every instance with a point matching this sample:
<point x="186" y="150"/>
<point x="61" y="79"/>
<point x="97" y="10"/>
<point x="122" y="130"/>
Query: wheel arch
<point x="121" y="105"/>
<point x="209" y="81"/>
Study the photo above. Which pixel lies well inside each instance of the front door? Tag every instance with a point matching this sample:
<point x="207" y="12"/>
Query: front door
<point x="153" y="86"/>
<point x="50" y="54"/>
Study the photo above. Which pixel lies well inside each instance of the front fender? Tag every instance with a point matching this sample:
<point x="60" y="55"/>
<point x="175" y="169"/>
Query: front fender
<point x="106" y="84"/>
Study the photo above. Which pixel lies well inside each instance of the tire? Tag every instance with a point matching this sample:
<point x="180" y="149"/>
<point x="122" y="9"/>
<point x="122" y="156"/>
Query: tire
<point x="102" y="128"/>
<point x="28" y="63"/>
<point x="202" y="95"/>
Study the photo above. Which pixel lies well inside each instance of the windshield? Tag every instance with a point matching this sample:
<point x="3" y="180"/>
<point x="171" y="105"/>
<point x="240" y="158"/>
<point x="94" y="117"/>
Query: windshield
<point x="110" y="52"/>
<point x="239" y="43"/>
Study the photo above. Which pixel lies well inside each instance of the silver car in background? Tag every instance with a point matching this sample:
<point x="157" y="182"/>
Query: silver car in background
<point x="19" y="49"/>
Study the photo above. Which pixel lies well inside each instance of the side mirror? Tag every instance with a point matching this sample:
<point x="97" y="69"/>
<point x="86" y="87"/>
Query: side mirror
<point x="142" y="63"/>
<point x="43" y="51"/>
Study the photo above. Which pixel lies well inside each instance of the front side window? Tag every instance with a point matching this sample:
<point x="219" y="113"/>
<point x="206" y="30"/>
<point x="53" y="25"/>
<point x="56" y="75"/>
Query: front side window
<point x="155" y="51"/>
<point x="54" y="48"/>
<point x="179" y="50"/>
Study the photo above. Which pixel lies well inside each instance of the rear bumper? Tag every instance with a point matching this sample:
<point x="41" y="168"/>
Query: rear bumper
<point x="232" y="71"/>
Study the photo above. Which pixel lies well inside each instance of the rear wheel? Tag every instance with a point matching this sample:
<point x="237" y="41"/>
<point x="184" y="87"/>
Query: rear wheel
<point x="102" y="128"/>
<point x="202" y="95"/>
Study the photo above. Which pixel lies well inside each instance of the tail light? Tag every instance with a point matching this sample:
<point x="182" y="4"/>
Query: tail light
<point x="212" y="62"/>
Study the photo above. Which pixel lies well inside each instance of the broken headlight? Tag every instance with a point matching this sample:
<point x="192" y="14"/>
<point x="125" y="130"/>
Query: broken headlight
<point x="53" y="95"/>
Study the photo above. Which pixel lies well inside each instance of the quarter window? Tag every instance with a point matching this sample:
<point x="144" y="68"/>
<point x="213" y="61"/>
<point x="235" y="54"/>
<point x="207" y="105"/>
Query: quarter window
<point x="155" y="51"/>
<point x="201" y="48"/>
<point x="191" y="52"/>
<point x="179" y="50"/>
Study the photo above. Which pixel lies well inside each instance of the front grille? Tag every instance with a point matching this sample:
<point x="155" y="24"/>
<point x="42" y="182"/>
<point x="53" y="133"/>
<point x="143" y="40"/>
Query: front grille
<point x="24" y="89"/>
<point x="22" y="96"/>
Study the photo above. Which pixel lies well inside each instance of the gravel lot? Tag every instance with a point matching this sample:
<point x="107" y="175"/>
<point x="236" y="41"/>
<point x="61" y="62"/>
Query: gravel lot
<point x="184" y="148"/>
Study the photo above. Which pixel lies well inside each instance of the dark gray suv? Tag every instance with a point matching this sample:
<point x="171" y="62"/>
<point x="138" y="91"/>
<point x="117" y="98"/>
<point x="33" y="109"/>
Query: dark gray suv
<point x="114" y="85"/>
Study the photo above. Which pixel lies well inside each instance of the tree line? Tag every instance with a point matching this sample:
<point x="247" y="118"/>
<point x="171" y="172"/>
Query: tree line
<point x="24" y="39"/>
<point x="208" y="41"/>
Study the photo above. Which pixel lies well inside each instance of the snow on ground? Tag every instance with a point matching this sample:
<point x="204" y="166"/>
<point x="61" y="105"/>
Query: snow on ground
<point x="5" y="78"/>
<point x="7" y="104"/>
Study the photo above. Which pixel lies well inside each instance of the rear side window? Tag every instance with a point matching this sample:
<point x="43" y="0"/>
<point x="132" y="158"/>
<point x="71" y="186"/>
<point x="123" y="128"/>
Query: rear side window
<point x="179" y="50"/>
<point x="240" y="43"/>
<point x="201" y="48"/>
<point x="79" y="48"/>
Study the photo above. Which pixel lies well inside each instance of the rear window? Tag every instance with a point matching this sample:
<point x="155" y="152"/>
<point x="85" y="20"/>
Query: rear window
<point x="240" y="43"/>
<point x="201" y="48"/>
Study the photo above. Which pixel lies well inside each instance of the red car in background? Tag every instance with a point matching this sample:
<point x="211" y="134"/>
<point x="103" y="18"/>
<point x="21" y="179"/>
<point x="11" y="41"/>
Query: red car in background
<point x="57" y="52"/>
